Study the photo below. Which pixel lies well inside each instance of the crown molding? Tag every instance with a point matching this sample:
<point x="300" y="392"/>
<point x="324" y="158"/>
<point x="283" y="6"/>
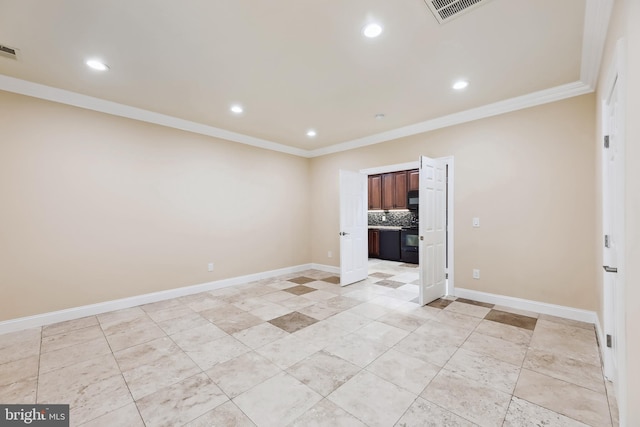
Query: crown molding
<point x="596" y="24"/>
<point x="518" y="103"/>
<point x="36" y="90"/>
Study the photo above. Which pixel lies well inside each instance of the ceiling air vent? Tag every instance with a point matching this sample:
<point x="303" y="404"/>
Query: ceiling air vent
<point x="446" y="10"/>
<point x="8" y="52"/>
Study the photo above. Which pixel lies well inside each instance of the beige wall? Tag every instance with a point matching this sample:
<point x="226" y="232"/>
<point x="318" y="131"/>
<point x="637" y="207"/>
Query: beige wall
<point x="96" y="207"/>
<point x="624" y="25"/>
<point x="528" y="176"/>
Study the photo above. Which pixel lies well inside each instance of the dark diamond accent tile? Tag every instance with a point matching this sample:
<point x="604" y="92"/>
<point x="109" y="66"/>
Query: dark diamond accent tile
<point x="390" y="283"/>
<point x="518" y="320"/>
<point x="440" y="303"/>
<point x="293" y="322"/>
<point x="381" y="275"/>
<point x="332" y="279"/>
<point x="407" y="265"/>
<point x="478" y="303"/>
<point x="299" y="290"/>
<point x="301" y="280"/>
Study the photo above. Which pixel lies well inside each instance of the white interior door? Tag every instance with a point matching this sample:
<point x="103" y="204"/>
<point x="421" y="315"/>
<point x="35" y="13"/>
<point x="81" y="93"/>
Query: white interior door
<point x="612" y="223"/>
<point x="353" y="227"/>
<point x="432" y="219"/>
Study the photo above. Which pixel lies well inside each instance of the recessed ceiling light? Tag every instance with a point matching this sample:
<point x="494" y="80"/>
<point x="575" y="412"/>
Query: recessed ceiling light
<point x="311" y="133"/>
<point x="379" y="116"/>
<point x="372" y="30"/>
<point x="237" y="109"/>
<point x="460" y="84"/>
<point x="97" y="65"/>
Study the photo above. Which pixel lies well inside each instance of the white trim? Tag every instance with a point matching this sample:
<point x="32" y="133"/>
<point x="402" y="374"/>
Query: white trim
<point x="22" y="323"/>
<point x="529" y="305"/>
<point x="23" y="87"/>
<point x="596" y="24"/>
<point x="518" y="103"/>
<point x="391" y="168"/>
<point x="451" y="288"/>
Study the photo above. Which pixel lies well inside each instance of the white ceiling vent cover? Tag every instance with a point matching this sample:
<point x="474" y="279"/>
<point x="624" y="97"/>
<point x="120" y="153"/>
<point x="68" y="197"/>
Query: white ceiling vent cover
<point x="8" y="52"/>
<point x="446" y="10"/>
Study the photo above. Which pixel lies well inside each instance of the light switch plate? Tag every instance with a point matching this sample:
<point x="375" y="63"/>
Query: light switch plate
<point x="476" y="222"/>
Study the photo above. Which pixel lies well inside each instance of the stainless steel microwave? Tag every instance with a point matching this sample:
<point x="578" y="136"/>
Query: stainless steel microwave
<point x="413" y="200"/>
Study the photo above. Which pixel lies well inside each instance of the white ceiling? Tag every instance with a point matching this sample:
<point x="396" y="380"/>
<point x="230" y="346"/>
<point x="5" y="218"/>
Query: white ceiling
<point x="293" y="64"/>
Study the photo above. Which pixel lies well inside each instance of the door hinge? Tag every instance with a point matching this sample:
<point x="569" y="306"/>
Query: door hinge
<point x="606" y="141"/>
<point x="609" y="345"/>
<point x="607" y="241"/>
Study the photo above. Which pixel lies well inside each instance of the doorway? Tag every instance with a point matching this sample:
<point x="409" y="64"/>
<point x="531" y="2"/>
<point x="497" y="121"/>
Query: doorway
<point x="448" y="163"/>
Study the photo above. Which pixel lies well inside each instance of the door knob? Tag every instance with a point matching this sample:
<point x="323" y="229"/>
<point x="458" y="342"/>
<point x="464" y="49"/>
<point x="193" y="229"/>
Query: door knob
<point x="610" y="269"/>
<point x="342" y="233"/>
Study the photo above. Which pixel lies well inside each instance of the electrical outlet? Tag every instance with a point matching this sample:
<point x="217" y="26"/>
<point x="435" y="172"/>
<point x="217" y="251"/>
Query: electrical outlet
<point x="476" y="273"/>
<point x="210" y="266"/>
<point x="329" y="254"/>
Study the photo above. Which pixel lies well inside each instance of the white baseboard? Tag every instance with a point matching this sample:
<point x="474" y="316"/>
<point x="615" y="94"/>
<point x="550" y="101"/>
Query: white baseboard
<point x="35" y="321"/>
<point x="529" y="305"/>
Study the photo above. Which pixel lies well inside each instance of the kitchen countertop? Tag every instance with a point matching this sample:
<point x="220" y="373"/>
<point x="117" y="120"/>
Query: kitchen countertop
<point x="385" y="227"/>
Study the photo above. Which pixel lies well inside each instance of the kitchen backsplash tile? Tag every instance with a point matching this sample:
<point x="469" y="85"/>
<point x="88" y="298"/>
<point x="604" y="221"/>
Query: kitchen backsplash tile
<point x="393" y="218"/>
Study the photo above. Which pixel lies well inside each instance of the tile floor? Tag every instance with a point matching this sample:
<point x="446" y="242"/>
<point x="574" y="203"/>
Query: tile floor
<point x="300" y="350"/>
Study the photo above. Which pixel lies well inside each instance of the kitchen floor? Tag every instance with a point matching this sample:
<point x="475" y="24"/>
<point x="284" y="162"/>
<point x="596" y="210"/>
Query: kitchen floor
<point x="300" y="350"/>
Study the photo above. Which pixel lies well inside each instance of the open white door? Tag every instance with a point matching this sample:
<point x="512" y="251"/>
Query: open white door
<point x="353" y="227"/>
<point x="432" y="218"/>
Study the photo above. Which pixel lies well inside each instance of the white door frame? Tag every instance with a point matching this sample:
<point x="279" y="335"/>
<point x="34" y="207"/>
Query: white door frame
<point x="614" y="310"/>
<point x="416" y="165"/>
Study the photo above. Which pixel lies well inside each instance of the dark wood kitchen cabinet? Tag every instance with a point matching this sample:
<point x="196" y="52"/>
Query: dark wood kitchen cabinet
<point x="394" y="190"/>
<point x="375" y="192"/>
<point x="414" y="179"/>
<point x="374" y="243"/>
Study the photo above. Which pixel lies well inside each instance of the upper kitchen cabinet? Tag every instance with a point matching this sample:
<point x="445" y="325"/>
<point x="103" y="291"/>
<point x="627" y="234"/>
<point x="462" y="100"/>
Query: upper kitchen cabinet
<point x="394" y="190"/>
<point x="375" y="192"/>
<point x="414" y="179"/>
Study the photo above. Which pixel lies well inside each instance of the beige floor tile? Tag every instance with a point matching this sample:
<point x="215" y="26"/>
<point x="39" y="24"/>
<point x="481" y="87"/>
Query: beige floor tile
<point x="404" y="321"/>
<point x="467" y="309"/>
<point x="369" y="310"/>
<point x="241" y="373"/>
<point x="209" y="354"/>
<point x="193" y="338"/>
<point x="461" y="321"/>
<point x="128" y="416"/>
<point x="348" y="321"/>
<point x="252" y="303"/>
<point x="19" y="370"/>
<point x="20" y="392"/>
<point x="79" y="336"/>
<point x="170" y="313"/>
<point x="53" y="386"/>
<point x="505" y="332"/>
<point x="296" y="303"/>
<point x="484" y="369"/>
<point x="613" y="404"/>
<point x="432" y="349"/>
<point x="569" y="322"/>
<point x="277" y="401"/>
<point x="190" y="321"/>
<point x="565" y="398"/>
<point x="356" y="349"/>
<point x="443" y="331"/>
<point x="202" y="302"/>
<point x="319" y="295"/>
<point x="342" y="302"/>
<point x="406" y="371"/>
<point x="565" y="368"/>
<point x="259" y="335"/>
<point x="115" y="321"/>
<point x="320" y="310"/>
<point x="287" y="351"/>
<point x="468" y="399"/>
<point x="227" y="414"/>
<point x="96" y="399"/>
<point x="152" y="366"/>
<point x="222" y="312"/>
<point x="323" y="372"/>
<point x="382" y="333"/>
<point x="522" y="414"/>
<point x="427" y="414"/>
<point x="362" y="295"/>
<point x="424" y="312"/>
<point x="321" y="334"/>
<point x="69" y="325"/>
<point x="181" y="402"/>
<point x="19" y="345"/>
<point x="319" y="284"/>
<point x="497" y="348"/>
<point x="136" y="334"/>
<point x="277" y="296"/>
<point x="577" y="343"/>
<point x="326" y="413"/>
<point x="270" y="311"/>
<point x="238" y="322"/>
<point x="74" y="354"/>
<point x="373" y="400"/>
